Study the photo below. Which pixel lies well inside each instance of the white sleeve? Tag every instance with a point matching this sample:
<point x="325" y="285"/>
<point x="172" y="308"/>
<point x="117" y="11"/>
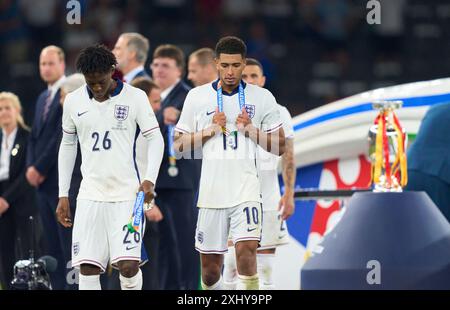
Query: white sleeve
<point x="287" y="122"/>
<point x="186" y="123"/>
<point x="271" y="120"/>
<point x="67" y="153"/>
<point x="146" y="120"/>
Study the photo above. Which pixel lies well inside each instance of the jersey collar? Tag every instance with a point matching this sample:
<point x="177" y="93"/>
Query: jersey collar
<point x="234" y="92"/>
<point x="116" y="91"/>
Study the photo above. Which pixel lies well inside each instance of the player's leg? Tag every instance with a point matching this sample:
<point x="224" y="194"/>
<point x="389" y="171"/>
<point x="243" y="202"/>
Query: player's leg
<point x="274" y="233"/>
<point x="211" y="271"/>
<point x="265" y="261"/>
<point x="89" y="244"/>
<point x="211" y="241"/>
<point x="124" y="246"/>
<point x="89" y="278"/>
<point x="246" y="232"/>
<point x="130" y="275"/>
<point x="230" y="277"/>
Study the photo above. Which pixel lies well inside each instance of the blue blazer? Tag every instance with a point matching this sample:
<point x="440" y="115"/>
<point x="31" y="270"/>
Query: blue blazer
<point x="44" y="142"/>
<point x="430" y="152"/>
<point x="188" y="169"/>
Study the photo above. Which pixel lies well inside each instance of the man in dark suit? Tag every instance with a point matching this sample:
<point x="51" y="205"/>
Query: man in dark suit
<point x="16" y="195"/>
<point x="178" y="180"/>
<point x="42" y="155"/>
<point x="131" y="52"/>
<point x="429" y="158"/>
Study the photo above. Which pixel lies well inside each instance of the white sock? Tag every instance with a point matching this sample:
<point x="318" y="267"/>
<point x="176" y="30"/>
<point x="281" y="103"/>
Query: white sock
<point x="230" y="270"/>
<point x="133" y="283"/>
<point x="89" y="282"/>
<point x="215" y="287"/>
<point x="248" y="282"/>
<point x="265" y="266"/>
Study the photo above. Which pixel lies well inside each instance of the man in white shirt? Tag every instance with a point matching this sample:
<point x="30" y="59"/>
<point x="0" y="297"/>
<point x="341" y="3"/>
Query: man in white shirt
<point x="131" y="52"/>
<point x="228" y="119"/>
<point x="276" y="208"/>
<point x="103" y="116"/>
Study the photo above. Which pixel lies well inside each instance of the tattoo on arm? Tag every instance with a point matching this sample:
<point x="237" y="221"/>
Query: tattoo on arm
<point x="288" y="165"/>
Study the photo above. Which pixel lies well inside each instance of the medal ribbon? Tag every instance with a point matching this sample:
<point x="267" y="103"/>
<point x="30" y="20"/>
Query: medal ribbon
<point x="170" y="133"/>
<point x="241" y="98"/>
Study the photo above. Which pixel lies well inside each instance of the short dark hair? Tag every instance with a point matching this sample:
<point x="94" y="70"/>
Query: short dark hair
<point x="170" y="51"/>
<point x="205" y="56"/>
<point x="231" y="45"/>
<point x="96" y="59"/>
<point x="254" y="62"/>
<point x="145" y="84"/>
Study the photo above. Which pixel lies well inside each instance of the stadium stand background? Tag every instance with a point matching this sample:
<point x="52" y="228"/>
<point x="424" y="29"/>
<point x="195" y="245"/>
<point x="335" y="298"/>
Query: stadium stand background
<point x="313" y="51"/>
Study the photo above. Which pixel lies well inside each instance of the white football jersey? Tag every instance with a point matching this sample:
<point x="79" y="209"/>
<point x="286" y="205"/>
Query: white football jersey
<point x="267" y="164"/>
<point x="229" y="176"/>
<point x="106" y="132"/>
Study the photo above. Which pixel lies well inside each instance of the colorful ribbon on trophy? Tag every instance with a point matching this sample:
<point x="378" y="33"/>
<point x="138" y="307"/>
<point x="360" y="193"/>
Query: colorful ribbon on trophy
<point x="399" y="167"/>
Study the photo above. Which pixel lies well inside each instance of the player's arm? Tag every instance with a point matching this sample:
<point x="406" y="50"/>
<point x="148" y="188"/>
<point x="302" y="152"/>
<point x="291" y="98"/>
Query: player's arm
<point x="66" y="162"/>
<point x="187" y="138"/>
<point x="271" y="140"/>
<point x="287" y="204"/>
<point x="185" y="141"/>
<point x="148" y="123"/>
<point x="155" y="152"/>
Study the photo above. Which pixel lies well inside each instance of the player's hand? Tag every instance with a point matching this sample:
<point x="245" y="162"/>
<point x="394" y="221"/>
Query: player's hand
<point x="286" y="205"/>
<point x="34" y="177"/>
<point x="63" y="212"/>
<point x="147" y="188"/>
<point x="243" y="120"/>
<point x="4" y="205"/>
<point x="219" y="118"/>
<point x="171" y="115"/>
<point x="154" y="214"/>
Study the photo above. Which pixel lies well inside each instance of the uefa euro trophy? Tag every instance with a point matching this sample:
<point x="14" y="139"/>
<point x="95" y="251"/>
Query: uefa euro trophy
<point x="387" y="142"/>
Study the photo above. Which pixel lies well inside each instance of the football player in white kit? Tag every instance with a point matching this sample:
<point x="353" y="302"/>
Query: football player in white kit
<point x="228" y="119"/>
<point x="276" y="208"/>
<point x="103" y="115"/>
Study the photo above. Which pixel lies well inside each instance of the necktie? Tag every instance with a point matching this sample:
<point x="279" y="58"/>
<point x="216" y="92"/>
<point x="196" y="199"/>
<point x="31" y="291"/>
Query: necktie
<point x="48" y="101"/>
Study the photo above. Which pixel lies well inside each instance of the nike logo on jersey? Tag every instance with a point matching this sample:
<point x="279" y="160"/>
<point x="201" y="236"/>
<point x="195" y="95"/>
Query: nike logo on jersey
<point x="131" y="247"/>
<point x="209" y="113"/>
<point x="79" y="114"/>
<point x="249" y="230"/>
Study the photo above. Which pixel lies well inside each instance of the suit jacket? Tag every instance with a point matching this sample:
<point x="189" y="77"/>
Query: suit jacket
<point x="430" y="152"/>
<point x="16" y="190"/>
<point x="188" y="169"/>
<point x="141" y="74"/>
<point x="44" y="142"/>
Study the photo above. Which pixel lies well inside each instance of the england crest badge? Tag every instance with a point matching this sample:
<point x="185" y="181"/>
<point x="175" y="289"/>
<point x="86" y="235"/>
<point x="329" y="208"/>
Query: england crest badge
<point x="250" y="108"/>
<point x="121" y="112"/>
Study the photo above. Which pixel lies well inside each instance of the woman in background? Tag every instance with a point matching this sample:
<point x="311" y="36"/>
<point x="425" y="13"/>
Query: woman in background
<point x="16" y="195"/>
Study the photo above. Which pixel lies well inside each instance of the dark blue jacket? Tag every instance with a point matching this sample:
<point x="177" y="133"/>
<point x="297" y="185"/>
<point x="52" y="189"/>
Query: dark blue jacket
<point x="44" y="142"/>
<point x="188" y="169"/>
<point x="430" y="152"/>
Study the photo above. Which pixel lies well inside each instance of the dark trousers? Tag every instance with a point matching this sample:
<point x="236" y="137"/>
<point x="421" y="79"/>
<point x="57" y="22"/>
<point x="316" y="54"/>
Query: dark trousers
<point x="150" y="275"/>
<point x="58" y="239"/>
<point x="438" y="190"/>
<point x="15" y="244"/>
<point x="179" y="261"/>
